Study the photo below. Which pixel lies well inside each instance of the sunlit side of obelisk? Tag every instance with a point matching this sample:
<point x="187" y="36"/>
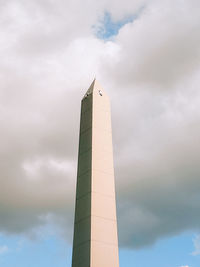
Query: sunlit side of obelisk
<point x="95" y="242"/>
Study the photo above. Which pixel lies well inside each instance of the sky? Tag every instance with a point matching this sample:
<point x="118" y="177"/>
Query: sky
<point x="146" y="56"/>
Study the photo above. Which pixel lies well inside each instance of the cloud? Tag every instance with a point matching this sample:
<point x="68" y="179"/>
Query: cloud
<point x="155" y="47"/>
<point x="151" y="72"/>
<point x="196" y="242"/>
<point x="3" y="249"/>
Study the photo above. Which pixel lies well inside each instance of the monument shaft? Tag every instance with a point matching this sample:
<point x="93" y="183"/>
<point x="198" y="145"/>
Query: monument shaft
<point x="95" y="241"/>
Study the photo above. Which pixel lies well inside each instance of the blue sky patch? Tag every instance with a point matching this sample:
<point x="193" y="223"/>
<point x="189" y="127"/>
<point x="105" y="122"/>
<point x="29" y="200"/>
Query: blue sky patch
<point x="53" y="251"/>
<point x="108" y="28"/>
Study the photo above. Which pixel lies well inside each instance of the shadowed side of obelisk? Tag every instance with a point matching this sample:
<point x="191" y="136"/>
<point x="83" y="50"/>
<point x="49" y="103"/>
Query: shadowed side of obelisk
<point x="82" y="224"/>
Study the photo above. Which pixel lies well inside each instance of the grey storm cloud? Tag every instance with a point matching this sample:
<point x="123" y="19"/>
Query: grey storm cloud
<point x="49" y="56"/>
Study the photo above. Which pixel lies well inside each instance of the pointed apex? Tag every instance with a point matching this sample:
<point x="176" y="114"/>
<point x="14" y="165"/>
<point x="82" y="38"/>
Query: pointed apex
<point x="93" y="87"/>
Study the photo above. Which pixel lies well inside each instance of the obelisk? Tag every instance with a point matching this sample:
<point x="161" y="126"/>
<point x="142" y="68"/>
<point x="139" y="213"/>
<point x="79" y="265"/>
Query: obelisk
<point x="95" y="242"/>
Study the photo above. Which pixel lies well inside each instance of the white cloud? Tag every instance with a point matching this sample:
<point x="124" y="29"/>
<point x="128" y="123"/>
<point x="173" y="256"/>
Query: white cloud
<point x="156" y="49"/>
<point x="196" y="242"/>
<point x="3" y="249"/>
